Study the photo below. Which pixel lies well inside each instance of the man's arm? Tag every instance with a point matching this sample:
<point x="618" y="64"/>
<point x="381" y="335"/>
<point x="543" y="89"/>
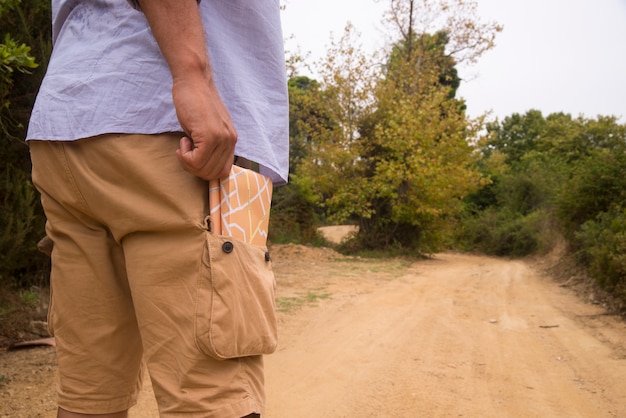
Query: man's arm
<point x="208" y="149"/>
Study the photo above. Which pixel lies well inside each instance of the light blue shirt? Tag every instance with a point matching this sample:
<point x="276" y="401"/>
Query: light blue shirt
<point x="107" y="75"/>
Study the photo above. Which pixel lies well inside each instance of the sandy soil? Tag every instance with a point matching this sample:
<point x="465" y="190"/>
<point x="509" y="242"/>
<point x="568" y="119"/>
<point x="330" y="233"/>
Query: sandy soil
<point x="454" y="336"/>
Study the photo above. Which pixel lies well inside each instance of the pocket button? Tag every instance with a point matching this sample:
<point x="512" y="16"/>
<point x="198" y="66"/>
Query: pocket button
<point x="228" y="247"/>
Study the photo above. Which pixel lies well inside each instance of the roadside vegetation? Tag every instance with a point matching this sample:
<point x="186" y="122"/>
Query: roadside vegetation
<point x="25" y="46"/>
<point x="380" y="141"/>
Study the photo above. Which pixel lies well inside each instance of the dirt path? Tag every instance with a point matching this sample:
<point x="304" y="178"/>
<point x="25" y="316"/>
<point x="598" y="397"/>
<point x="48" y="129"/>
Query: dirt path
<point x="454" y="336"/>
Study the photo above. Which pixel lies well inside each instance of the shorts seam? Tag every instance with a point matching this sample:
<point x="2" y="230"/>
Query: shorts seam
<point x="70" y="177"/>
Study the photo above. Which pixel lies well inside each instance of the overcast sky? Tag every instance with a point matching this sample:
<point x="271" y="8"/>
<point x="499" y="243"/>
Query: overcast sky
<point x="553" y="55"/>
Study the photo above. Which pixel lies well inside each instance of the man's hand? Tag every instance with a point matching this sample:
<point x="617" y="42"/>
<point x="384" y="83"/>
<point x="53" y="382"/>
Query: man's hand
<point x="208" y="149"/>
<point x="209" y="153"/>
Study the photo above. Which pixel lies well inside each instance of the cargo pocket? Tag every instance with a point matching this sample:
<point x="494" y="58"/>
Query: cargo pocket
<point x="236" y="308"/>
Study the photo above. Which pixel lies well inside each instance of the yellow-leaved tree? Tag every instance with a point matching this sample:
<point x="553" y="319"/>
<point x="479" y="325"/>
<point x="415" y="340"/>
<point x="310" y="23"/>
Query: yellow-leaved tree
<point x="400" y="158"/>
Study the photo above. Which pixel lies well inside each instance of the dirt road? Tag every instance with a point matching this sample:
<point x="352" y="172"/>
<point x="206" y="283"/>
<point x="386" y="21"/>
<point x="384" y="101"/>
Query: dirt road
<point x="455" y="336"/>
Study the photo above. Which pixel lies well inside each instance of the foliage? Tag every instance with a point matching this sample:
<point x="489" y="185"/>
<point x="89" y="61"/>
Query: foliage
<point x="418" y="164"/>
<point x="516" y="135"/>
<point x="546" y="164"/>
<point x="293" y="218"/>
<point x="399" y="160"/>
<point x="26" y="42"/>
<point x="26" y="30"/>
<point x="22" y="225"/>
<point x="294" y="208"/>
<point x="603" y="249"/>
<point x="597" y="185"/>
<point x="553" y="175"/>
<point x="497" y="232"/>
<point x="13" y="57"/>
<point x="310" y="118"/>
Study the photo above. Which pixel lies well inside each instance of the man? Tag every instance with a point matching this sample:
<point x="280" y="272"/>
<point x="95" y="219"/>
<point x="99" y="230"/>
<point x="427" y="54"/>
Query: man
<point x="141" y="105"/>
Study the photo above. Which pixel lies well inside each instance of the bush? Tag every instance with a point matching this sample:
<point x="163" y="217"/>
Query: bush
<point x="21" y="226"/>
<point x="597" y="185"/>
<point x="603" y="250"/>
<point x="293" y="218"/>
<point x="501" y="233"/>
<point x="25" y="43"/>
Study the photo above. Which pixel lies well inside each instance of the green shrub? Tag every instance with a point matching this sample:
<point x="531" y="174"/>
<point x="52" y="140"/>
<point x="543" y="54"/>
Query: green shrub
<point x="603" y="249"/>
<point x="293" y="218"/>
<point x="25" y="39"/>
<point x="501" y="233"/>
<point x="597" y="185"/>
<point x="21" y="226"/>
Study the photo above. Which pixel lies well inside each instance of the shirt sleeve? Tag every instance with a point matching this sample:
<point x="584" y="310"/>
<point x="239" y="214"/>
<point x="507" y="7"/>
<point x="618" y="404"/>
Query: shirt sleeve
<point x="135" y="4"/>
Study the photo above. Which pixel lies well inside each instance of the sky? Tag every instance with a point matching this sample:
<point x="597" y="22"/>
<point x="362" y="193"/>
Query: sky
<point x="553" y="55"/>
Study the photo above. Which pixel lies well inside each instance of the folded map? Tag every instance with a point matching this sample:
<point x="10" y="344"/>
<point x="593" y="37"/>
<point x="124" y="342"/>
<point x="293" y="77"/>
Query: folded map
<point x="240" y="205"/>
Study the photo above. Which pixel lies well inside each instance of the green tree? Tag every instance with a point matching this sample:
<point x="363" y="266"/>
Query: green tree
<point x="516" y="135"/>
<point x="602" y="249"/>
<point x="333" y="155"/>
<point x="294" y="208"/>
<point x="566" y="171"/>
<point x="511" y="215"/>
<point x="309" y="117"/>
<point x="597" y="185"/>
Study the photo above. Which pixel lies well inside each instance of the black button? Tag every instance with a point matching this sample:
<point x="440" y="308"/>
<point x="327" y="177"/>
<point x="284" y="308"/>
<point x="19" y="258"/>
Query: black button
<point x="267" y="257"/>
<point x="228" y="247"/>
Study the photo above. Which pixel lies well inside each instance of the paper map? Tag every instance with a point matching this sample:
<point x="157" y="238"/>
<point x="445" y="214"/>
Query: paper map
<point x="240" y="205"/>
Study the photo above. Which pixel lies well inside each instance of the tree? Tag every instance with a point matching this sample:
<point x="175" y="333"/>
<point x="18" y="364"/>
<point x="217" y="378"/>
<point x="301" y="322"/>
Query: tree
<point x="567" y="171"/>
<point x="333" y="155"/>
<point x="309" y="117"/>
<point x="294" y="213"/>
<point x="417" y="149"/>
<point x="399" y="159"/>
<point x="516" y="135"/>
<point x="469" y="38"/>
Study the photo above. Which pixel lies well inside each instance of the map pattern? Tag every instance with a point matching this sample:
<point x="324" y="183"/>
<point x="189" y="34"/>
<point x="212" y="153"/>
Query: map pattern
<point x="240" y="205"/>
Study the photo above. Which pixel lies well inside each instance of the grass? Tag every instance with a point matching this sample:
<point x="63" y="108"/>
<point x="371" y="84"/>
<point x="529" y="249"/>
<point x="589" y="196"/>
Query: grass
<point x="390" y="266"/>
<point x="291" y="303"/>
<point x="29" y="297"/>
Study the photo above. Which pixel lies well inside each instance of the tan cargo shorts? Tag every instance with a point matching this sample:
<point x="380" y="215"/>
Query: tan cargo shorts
<point x="128" y="226"/>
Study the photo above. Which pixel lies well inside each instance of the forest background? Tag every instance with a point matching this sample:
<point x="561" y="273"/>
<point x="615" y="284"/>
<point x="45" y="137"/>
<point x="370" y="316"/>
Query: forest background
<point x="381" y="141"/>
